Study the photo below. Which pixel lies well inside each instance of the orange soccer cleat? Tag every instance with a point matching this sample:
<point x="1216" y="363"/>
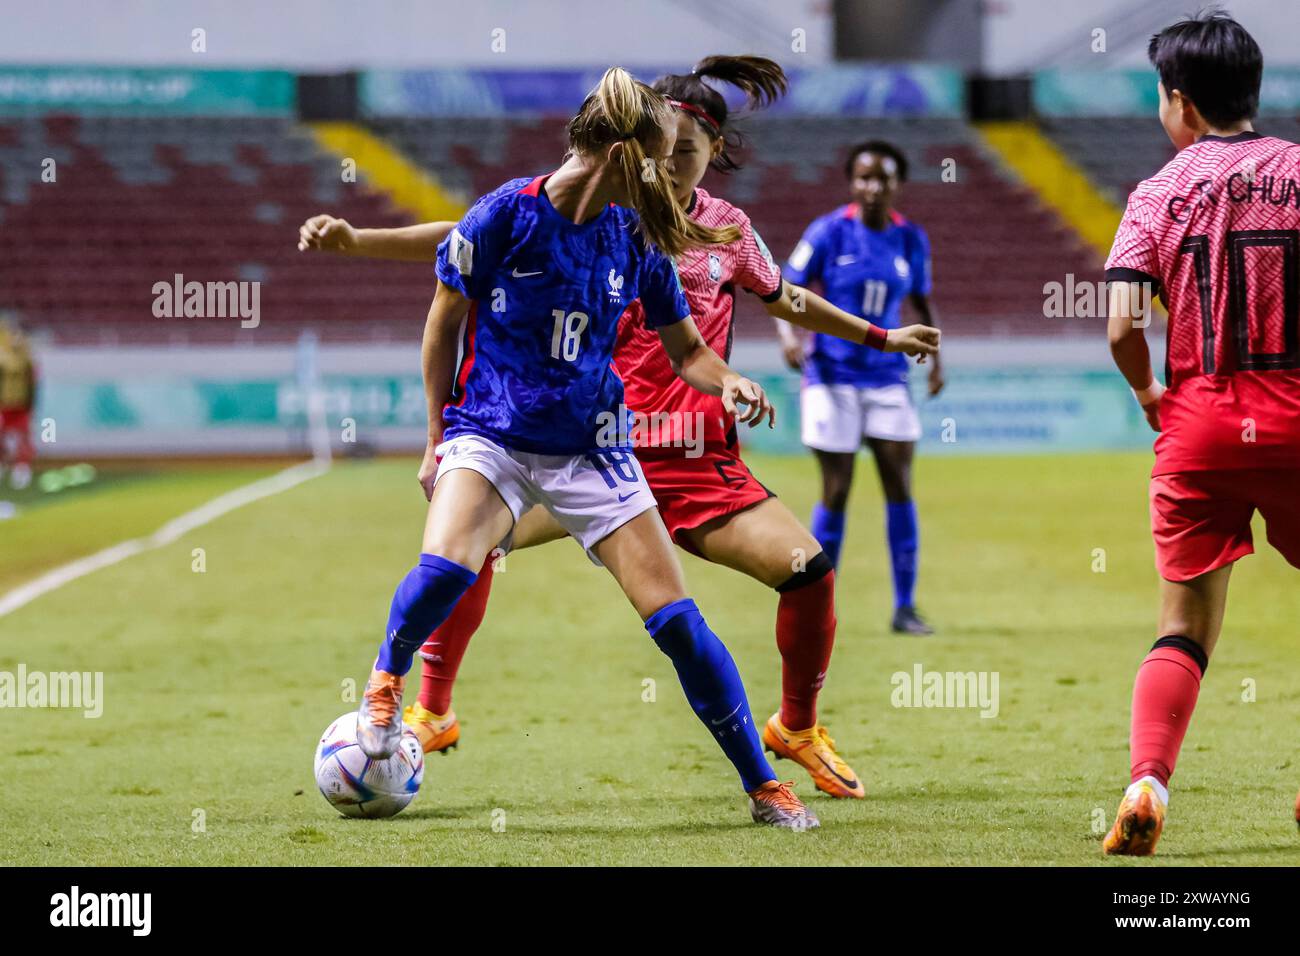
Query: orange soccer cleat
<point x="1138" y="824"/>
<point x="814" y="750"/>
<point x="379" y="729"/>
<point x="776" y="805"/>
<point x="440" y="733"/>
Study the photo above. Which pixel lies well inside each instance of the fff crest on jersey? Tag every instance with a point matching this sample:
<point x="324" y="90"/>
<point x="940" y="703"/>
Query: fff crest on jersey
<point x="615" y="285"/>
<point x="901" y="267"/>
<point x="715" y="267"/>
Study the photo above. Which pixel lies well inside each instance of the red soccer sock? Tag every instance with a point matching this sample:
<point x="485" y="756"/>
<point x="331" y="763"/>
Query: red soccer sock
<point x="1164" y="696"/>
<point x="449" y="641"/>
<point x="805" y="634"/>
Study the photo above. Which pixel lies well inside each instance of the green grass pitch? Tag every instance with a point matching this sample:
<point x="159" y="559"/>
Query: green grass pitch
<point x="218" y="684"/>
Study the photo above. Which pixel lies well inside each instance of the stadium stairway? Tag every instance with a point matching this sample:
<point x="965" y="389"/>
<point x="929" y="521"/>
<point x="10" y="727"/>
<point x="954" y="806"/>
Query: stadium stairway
<point x="413" y="189"/>
<point x="1059" y="182"/>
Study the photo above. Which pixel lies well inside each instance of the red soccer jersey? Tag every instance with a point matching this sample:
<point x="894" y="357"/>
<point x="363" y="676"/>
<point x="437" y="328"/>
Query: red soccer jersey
<point x="709" y="277"/>
<point x="1218" y="232"/>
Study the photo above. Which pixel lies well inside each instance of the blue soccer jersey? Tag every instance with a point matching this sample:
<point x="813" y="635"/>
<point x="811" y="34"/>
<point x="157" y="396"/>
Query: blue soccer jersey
<point x="535" y="371"/>
<point x="869" y="274"/>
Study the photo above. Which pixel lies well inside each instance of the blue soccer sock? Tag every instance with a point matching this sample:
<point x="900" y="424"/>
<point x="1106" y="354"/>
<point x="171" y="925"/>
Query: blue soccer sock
<point x="904" y="541"/>
<point x="423" y="600"/>
<point x="713" y="687"/>
<point x="828" y="529"/>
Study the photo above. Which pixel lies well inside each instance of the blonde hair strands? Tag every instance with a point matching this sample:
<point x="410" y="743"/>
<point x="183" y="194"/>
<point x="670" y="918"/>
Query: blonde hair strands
<point x="624" y="110"/>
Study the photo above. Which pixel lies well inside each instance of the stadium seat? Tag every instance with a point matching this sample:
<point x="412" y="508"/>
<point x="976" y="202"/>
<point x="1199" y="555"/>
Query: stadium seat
<point x="137" y="200"/>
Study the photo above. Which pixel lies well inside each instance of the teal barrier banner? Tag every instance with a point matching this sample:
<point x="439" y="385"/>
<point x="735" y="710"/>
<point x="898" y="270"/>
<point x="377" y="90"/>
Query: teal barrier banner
<point x="201" y="405"/>
<point x="96" y="90"/>
<point x="982" y="411"/>
<point x="991" y="411"/>
<point x="1133" y="92"/>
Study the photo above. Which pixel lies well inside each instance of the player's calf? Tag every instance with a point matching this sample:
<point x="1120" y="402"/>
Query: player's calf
<point x="805" y="635"/>
<point x="1164" y="697"/>
<point x="422" y="601"/>
<point x="713" y="687"/>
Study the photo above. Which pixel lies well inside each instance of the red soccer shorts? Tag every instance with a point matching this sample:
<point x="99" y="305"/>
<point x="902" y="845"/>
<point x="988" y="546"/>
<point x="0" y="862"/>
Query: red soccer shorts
<point x="15" y="419"/>
<point x="693" y="491"/>
<point x="1201" y="519"/>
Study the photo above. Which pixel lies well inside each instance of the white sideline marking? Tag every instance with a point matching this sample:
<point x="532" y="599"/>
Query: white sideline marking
<point x="171" y="531"/>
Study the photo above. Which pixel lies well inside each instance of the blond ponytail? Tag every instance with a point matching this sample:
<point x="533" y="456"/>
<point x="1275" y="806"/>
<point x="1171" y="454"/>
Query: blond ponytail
<point x="622" y="109"/>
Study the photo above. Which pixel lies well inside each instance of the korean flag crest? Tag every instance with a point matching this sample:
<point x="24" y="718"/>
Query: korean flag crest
<point x="715" y="267"/>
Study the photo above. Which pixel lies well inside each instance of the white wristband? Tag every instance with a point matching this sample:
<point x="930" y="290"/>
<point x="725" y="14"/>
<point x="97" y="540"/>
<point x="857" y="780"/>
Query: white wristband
<point x="1151" y="393"/>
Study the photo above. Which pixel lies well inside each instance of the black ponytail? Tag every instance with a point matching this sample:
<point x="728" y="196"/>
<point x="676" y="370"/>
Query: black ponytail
<point x="762" y="81"/>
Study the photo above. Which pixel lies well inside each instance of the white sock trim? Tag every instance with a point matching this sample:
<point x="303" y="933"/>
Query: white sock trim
<point x="1161" y="790"/>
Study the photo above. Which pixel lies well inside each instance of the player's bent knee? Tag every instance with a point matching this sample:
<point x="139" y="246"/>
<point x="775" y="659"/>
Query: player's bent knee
<point x="421" y="602"/>
<point x="678" y="629"/>
<point x="818" y="567"/>
<point x="649" y="603"/>
<point x="468" y="551"/>
<point x="1188" y="646"/>
<point x="835" y="492"/>
<point x="897" y="487"/>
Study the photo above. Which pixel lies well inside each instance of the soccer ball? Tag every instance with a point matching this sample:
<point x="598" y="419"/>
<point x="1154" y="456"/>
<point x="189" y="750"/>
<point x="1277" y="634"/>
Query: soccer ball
<point x="358" y="786"/>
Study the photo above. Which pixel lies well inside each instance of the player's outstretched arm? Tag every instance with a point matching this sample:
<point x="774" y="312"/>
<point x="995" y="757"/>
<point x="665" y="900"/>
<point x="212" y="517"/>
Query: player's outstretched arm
<point x="438" y="360"/>
<point x="418" y="243"/>
<point x="1129" y="315"/>
<point x="808" y="310"/>
<point x="791" y="347"/>
<point x="703" y="369"/>
<point x="925" y="309"/>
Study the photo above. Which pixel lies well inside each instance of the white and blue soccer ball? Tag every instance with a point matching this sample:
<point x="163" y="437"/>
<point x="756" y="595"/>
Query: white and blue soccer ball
<point x="359" y="786"/>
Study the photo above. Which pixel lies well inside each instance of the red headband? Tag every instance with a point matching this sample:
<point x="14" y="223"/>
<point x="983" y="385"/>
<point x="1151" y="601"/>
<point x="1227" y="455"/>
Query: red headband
<point x="696" y="111"/>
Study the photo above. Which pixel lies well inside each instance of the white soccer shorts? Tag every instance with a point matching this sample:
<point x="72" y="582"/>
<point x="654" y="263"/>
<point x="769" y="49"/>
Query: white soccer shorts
<point x="591" y="496"/>
<point x="837" y="418"/>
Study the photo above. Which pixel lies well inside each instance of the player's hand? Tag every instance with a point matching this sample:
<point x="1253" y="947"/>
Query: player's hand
<point x="937" y="380"/>
<point x="918" y="340"/>
<point x="792" y="352"/>
<point x="1151" y="407"/>
<point x="738" y="390"/>
<point x="429" y="470"/>
<point x="325" y="233"/>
